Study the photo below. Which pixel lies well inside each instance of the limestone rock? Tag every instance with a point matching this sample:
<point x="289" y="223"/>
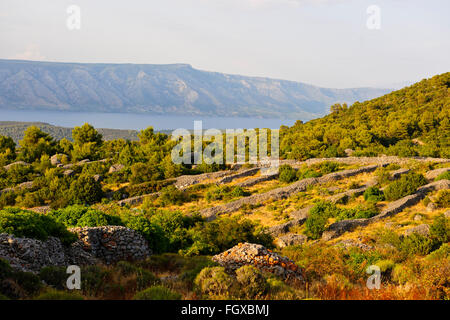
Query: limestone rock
<point x="290" y="239"/>
<point x="261" y="258"/>
<point x="116" y="168"/>
<point x="423" y="229"/>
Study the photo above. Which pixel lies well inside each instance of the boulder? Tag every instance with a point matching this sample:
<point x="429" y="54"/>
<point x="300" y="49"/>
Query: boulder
<point x="423" y="229"/>
<point x="259" y="257"/>
<point x="55" y="160"/>
<point x="431" y="206"/>
<point x="17" y="163"/>
<point x="116" y="168"/>
<point x="68" y="173"/>
<point x="290" y="239"/>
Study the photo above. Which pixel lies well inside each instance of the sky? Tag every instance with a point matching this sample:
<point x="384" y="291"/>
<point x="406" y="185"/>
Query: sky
<point x="329" y="43"/>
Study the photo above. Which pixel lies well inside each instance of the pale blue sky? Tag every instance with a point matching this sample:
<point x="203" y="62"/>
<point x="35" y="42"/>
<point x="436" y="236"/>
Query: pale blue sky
<point x="322" y="42"/>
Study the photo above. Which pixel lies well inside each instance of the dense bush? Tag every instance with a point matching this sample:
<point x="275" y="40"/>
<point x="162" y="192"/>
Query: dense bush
<point x="214" y="282"/>
<point x="225" y="193"/>
<point x="59" y="295"/>
<point x="443" y="199"/>
<point x="152" y="232"/>
<point x="54" y="276"/>
<point x="82" y="216"/>
<point x="171" y="195"/>
<point x="27" y="224"/>
<point x="157" y="293"/>
<point x="373" y="194"/>
<point x="252" y="283"/>
<point x="85" y="190"/>
<point x="287" y="173"/>
<point x="406" y="185"/>
<point x="146" y="187"/>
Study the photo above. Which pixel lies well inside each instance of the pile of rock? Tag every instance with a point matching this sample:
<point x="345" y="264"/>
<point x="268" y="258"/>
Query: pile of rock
<point x="260" y="257"/>
<point x="30" y="255"/>
<point x="113" y="243"/>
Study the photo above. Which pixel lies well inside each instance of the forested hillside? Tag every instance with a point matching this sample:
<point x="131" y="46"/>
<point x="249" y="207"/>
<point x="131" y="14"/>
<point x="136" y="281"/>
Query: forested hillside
<point x="413" y="121"/>
<point x="16" y="129"/>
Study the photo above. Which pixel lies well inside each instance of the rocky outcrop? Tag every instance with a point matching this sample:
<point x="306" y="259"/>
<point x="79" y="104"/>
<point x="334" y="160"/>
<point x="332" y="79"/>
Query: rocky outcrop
<point x="116" y="168"/>
<point x="423" y="229"/>
<point x="31" y="255"/>
<point x="259" y="257"/>
<point x="17" y="163"/>
<point x="113" y="243"/>
<point x="290" y="239"/>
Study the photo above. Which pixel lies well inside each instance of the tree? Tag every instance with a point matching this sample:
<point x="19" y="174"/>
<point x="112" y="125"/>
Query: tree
<point x="85" y="190"/>
<point x="87" y="142"/>
<point x="35" y="144"/>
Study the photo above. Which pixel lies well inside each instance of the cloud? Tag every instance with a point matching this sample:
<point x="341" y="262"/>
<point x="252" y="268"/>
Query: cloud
<point x="31" y="53"/>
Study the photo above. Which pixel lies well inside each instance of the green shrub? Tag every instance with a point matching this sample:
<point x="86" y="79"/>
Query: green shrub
<point x="442" y="253"/>
<point x="443" y="199"/>
<point x="214" y="282"/>
<point x="251" y="281"/>
<point x="385" y="265"/>
<point x="318" y="218"/>
<point x="171" y="195"/>
<point x="59" y="295"/>
<point x="440" y="230"/>
<point x="54" y="276"/>
<point x="28" y="281"/>
<point x="157" y="293"/>
<point x="225" y="193"/>
<point x="27" y="224"/>
<point x="153" y="233"/>
<point x="85" y="190"/>
<point x="145" y="278"/>
<point x="402" y="274"/>
<point x="373" y="194"/>
<point x="83" y="216"/>
<point x="287" y="173"/>
<point x="147" y="187"/>
<point x="328" y="167"/>
<point x="406" y="185"/>
<point x="93" y="278"/>
<point x="416" y="244"/>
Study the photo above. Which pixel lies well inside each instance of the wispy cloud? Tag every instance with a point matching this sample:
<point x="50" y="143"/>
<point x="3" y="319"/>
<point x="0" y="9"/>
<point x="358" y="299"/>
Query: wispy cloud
<point x="31" y="53"/>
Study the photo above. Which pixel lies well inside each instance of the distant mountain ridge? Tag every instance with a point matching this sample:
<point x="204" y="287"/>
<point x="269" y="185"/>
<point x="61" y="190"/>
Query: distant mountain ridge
<point x="176" y="89"/>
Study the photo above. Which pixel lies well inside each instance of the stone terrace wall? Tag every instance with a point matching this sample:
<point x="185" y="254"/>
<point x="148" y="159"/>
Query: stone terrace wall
<point x="95" y="245"/>
<point x="282" y="192"/>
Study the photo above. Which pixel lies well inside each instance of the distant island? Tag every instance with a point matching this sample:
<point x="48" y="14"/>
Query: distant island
<point x="175" y="89"/>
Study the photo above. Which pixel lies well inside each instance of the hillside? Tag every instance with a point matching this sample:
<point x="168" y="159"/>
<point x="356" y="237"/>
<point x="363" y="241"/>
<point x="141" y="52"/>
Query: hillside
<point x="176" y="89"/>
<point x="413" y="121"/>
<point x="16" y="129"/>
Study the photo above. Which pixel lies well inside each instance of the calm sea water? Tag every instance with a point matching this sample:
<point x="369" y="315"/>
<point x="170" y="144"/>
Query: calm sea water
<point x="138" y="121"/>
